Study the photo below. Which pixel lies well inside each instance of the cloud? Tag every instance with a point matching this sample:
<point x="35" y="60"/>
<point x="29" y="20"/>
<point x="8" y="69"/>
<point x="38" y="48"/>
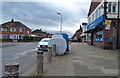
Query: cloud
<point x="43" y="15"/>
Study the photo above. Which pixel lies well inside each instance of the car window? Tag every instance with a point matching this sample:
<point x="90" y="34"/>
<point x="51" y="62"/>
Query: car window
<point x="44" y="40"/>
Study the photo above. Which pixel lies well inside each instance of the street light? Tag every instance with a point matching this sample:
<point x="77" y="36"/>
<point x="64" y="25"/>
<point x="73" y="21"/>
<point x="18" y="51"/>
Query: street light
<point x="61" y="22"/>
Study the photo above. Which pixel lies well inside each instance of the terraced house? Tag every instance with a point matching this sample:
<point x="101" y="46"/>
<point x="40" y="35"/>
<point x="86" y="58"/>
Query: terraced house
<point x="103" y="29"/>
<point x="13" y="30"/>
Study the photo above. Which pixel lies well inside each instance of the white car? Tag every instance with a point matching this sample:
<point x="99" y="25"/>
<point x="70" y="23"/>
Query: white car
<point x="43" y="44"/>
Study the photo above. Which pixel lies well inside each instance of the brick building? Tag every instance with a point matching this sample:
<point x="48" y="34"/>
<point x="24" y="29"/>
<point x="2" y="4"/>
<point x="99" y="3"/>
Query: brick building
<point x="103" y="24"/>
<point x="40" y="33"/>
<point x="13" y="30"/>
<point x="84" y="35"/>
<point x="76" y="36"/>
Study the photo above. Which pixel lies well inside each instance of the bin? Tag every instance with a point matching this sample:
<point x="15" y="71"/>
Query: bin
<point x="65" y="36"/>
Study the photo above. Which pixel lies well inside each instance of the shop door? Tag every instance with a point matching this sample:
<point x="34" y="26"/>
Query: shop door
<point x="92" y="38"/>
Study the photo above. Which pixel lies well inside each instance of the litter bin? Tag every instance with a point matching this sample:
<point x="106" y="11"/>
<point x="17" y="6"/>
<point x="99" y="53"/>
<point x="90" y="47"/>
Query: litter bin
<point x="65" y="36"/>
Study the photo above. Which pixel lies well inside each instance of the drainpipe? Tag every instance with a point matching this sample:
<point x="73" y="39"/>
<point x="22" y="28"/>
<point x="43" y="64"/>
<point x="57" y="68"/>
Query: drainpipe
<point x="104" y="31"/>
<point x="114" y="36"/>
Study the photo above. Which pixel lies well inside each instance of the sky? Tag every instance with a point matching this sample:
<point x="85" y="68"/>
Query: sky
<point x="42" y="14"/>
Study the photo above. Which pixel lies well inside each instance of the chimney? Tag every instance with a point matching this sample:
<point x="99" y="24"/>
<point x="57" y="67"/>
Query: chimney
<point x="80" y="27"/>
<point x="12" y="20"/>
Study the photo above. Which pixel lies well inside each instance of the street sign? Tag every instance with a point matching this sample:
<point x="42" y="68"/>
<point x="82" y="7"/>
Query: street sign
<point x="108" y="22"/>
<point x="107" y="27"/>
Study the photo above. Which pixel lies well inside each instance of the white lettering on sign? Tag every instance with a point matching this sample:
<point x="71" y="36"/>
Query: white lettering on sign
<point x="107" y="27"/>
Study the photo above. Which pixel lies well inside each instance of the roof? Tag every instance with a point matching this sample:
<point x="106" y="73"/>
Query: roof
<point x="37" y="31"/>
<point x="79" y="29"/>
<point x="40" y="31"/>
<point x="73" y="35"/>
<point x="14" y="24"/>
<point x="94" y="4"/>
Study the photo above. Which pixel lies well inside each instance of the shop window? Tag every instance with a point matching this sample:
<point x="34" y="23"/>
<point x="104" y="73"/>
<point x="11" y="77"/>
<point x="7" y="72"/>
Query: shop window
<point x="89" y="37"/>
<point x="99" y="36"/>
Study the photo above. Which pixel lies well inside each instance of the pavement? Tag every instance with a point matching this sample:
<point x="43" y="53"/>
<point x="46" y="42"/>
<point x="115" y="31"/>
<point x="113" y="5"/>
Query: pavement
<point x="82" y="60"/>
<point x="7" y="44"/>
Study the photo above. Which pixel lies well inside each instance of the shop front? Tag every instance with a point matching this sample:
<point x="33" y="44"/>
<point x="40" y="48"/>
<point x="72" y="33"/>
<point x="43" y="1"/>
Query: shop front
<point x="95" y="32"/>
<point x="98" y="38"/>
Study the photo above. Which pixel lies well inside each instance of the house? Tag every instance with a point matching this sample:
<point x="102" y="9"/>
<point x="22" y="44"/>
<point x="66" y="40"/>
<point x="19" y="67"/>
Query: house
<point x="40" y="33"/>
<point x="84" y="35"/>
<point x="103" y="29"/>
<point x="13" y="30"/>
<point x="76" y="36"/>
<point x="49" y="35"/>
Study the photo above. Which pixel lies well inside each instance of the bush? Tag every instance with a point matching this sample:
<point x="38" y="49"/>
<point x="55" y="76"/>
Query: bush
<point x="30" y="38"/>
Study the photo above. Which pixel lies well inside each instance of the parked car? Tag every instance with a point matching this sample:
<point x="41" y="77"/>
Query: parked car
<point x="43" y="44"/>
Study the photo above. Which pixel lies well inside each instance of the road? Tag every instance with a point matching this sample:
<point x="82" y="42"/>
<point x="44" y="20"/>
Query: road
<point x="23" y="53"/>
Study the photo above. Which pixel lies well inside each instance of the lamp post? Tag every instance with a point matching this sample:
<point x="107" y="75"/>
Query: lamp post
<point x="61" y="22"/>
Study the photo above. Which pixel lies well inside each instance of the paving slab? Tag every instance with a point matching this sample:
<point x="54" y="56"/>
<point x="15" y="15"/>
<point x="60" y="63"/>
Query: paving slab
<point x="85" y="60"/>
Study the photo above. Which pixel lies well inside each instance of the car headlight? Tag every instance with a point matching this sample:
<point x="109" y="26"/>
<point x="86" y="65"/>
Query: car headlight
<point x="38" y="45"/>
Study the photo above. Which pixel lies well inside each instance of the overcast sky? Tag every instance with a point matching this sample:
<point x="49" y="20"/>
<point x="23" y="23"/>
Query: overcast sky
<point x="43" y="15"/>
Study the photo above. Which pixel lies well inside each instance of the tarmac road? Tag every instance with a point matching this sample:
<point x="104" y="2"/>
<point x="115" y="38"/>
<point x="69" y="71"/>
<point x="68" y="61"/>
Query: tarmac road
<point x="23" y="53"/>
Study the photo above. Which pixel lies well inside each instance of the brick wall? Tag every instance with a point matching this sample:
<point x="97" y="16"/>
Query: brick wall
<point x="109" y="33"/>
<point x="89" y="42"/>
<point x="24" y="32"/>
<point x="98" y="44"/>
<point x="78" y="36"/>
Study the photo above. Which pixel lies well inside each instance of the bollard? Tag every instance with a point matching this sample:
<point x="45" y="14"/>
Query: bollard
<point x="12" y="70"/>
<point x="54" y="50"/>
<point x="39" y="62"/>
<point x="49" y="54"/>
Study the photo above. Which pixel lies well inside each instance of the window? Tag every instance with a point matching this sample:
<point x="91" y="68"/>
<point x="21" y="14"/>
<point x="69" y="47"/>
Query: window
<point x="89" y="36"/>
<point x="28" y="32"/>
<point x="11" y="36"/>
<point x="3" y="29"/>
<point x="112" y="7"/>
<point x="109" y="7"/>
<point x="15" y="36"/>
<point x="96" y="13"/>
<point x="99" y="36"/>
<point x="99" y="11"/>
<point x="13" y="29"/>
<point x="4" y="36"/>
<point x="92" y="17"/>
<point x="20" y="30"/>
<point x="90" y="20"/>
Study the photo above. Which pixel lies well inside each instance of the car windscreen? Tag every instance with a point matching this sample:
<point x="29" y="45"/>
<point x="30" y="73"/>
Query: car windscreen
<point x="44" y="40"/>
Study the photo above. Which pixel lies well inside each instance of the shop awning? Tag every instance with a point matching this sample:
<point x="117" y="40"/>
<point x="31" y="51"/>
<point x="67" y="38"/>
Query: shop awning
<point x="97" y="23"/>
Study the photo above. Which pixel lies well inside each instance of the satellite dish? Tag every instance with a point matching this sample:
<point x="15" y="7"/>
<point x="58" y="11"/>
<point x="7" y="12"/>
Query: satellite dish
<point x="60" y="43"/>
